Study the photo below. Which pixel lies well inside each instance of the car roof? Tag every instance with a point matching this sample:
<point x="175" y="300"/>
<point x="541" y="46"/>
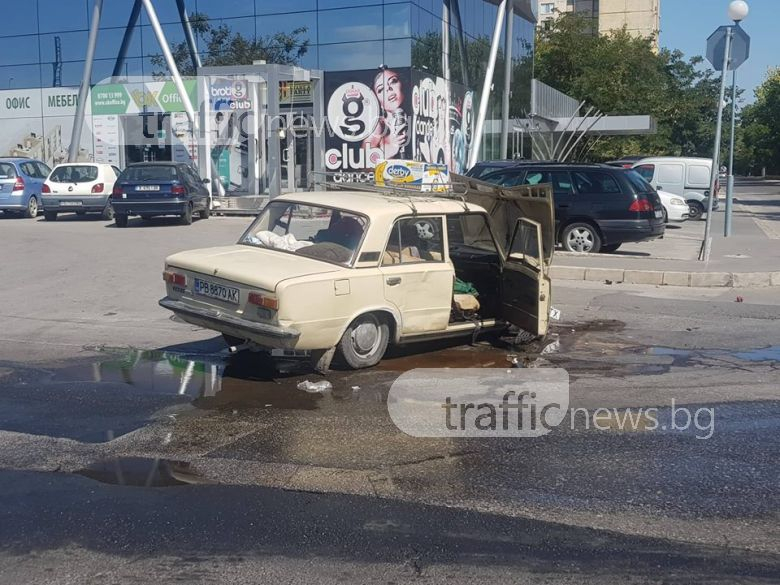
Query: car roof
<point x="17" y="159"/>
<point x="83" y="164"/>
<point x="376" y="205"/>
<point x="676" y="159"/>
<point x="159" y="163"/>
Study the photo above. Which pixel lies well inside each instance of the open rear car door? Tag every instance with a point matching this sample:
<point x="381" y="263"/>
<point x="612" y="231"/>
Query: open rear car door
<point x="523" y="223"/>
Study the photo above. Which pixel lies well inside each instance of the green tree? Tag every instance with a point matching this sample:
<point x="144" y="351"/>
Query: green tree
<point x="758" y="147"/>
<point x="621" y="74"/>
<point x="225" y="47"/>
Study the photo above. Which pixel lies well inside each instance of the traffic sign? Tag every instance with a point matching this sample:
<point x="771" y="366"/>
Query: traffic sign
<point x="716" y="47"/>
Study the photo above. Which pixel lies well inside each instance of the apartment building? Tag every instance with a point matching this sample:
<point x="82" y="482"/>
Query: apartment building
<point x="640" y="17"/>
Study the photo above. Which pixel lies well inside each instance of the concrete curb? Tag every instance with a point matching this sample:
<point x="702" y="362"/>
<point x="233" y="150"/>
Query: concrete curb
<point x="667" y="278"/>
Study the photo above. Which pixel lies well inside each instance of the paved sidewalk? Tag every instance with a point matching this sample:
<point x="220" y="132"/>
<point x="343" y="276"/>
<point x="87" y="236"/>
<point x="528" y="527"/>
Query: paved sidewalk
<point x="751" y="257"/>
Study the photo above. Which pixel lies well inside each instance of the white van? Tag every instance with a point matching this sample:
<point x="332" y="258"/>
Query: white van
<point x="687" y="177"/>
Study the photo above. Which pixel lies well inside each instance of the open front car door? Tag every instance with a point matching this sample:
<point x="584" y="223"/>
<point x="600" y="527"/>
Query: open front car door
<point x="525" y="286"/>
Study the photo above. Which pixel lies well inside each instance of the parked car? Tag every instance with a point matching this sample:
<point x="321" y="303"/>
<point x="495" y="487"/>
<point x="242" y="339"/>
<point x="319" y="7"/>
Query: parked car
<point x="359" y="271"/>
<point x="21" y="184"/>
<point x="79" y="188"/>
<point x="160" y="188"/>
<point x="675" y="207"/>
<point x="688" y="178"/>
<point x="625" y="162"/>
<point x="597" y="207"/>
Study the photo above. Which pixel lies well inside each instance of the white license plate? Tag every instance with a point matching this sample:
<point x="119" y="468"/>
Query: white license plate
<point x="216" y="291"/>
<point x="659" y="214"/>
<point x="147" y="188"/>
<point x="70" y="203"/>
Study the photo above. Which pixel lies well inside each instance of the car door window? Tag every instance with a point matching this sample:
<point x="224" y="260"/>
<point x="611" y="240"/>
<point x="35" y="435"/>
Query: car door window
<point x="670" y="174"/>
<point x="595" y="183"/>
<point x="536" y="178"/>
<point x="699" y="175"/>
<point x="43" y="170"/>
<point x="413" y="240"/>
<point x="526" y="244"/>
<point x="647" y="172"/>
<point x="562" y="182"/>
<point x="505" y="178"/>
<point x="29" y="170"/>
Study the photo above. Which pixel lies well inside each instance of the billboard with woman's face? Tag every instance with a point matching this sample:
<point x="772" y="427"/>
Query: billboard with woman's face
<point x="385" y="113"/>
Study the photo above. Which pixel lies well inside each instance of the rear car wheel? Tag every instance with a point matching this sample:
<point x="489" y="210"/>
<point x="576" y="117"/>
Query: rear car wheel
<point x="108" y="212"/>
<point x="120" y="219"/>
<point x="365" y="341"/>
<point x="609" y="249"/>
<point x="50" y="215"/>
<point x="186" y="218"/>
<point x="696" y="210"/>
<point x="32" y="208"/>
<point x="581" y="237"/>
<point x="205" y="213"/>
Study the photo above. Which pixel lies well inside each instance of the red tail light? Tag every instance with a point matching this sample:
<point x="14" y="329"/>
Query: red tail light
<point x="641" y="205"/>
<point x="117" y="192"/>
<point x="175" y="278"/>
<point x="19" y="184"/>
<point x="263" y="301"/>
<point x="98" y="188"/>
<point x="178" y="190"/>
<point x="45" y="188"/>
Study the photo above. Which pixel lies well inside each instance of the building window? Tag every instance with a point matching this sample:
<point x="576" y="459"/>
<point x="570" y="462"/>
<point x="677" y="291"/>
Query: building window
<point x="548" y="8"/>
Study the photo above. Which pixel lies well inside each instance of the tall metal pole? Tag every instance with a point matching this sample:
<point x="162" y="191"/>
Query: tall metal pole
<point x="78" y="122"/>
<point x="445" y="40"/>
<point x="510" y="17"/>
<point x="705" y="252"/>
<point x="185" y="23"/>
<point x="486" y="85"/>
<point x="730" y="184"/>
<point x="128" y="36"/>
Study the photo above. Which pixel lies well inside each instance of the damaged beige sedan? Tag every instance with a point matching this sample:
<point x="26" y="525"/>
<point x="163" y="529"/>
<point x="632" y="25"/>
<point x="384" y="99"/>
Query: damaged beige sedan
<point x="352" y="272"/>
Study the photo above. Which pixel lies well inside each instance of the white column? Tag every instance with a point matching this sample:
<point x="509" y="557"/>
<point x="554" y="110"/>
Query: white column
<point x="488" y="81"/>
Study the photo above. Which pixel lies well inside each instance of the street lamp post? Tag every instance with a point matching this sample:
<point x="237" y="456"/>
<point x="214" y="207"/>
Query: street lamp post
<point x="738" y="11"/>
<point x="727" y="48"/>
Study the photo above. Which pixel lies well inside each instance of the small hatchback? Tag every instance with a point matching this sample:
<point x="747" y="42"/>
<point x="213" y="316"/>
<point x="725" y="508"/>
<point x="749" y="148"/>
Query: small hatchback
<point x="21" y="185"/>
<point x="355" y="272"/>
<point x="79" y="188"/>
<point x="160" y="188"/>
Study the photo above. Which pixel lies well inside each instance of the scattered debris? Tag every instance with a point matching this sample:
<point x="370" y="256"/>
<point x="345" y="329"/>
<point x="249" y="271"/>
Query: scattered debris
<point x="315" y="387"/>
<point x="608" y="282"/>
<point x="356" y="388"/>
<point x="740" y="300"/>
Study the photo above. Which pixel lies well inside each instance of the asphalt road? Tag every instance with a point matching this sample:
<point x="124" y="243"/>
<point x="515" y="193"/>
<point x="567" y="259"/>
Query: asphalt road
<point x="133" y="448"/>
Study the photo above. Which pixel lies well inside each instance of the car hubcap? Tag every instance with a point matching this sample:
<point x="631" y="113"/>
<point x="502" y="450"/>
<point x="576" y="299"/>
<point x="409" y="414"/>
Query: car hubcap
<point x="366" y="337"/>
<point x="33" y="207"/>
<point x="694" y="210"/>
<point x="580" y="240"/>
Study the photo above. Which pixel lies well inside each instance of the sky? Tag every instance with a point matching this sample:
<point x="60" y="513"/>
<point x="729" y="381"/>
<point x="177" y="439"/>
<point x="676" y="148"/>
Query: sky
<point x="686" y="24"/>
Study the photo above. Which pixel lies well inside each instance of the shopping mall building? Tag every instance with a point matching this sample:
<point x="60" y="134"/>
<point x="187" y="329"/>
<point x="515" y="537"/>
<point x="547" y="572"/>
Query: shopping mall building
<point x="392" y="79"/>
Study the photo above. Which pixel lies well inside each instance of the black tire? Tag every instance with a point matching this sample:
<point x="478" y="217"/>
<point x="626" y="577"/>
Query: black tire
<point x="666" y="216"/>
<point x="581" y="237"/>
<point x="120" y="220"/>
<point x="610" y="248"/>
<point x="32" y="208"/>
<point x="50" y="215"/>
<point x="205" y="213"/>
<point x="696" y="210"/>
<point x="108" y="212"/>
<point x="365" y="341"/>
<point x="186" y="218"/>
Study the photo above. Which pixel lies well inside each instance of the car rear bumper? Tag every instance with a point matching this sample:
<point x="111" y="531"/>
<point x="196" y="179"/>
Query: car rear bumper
<point x="270" y="336"/>
<point x="166" y="207"/>
<point x="13" y="202"/>
<point x="631" y="230"/>
<point x="75" y="203"/>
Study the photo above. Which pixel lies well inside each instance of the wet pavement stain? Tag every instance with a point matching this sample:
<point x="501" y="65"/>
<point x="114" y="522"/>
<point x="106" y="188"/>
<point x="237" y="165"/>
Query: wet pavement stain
<point x="140" y="472"/>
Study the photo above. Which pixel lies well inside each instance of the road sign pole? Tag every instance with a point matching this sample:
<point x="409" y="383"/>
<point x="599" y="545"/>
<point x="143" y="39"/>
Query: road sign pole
<point x="705" y="252"/>
<point x="730" y="186"/>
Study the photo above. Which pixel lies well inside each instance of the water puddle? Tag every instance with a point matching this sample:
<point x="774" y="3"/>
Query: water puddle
<point x="767" y="354"/>
<point x="140" y="472"/>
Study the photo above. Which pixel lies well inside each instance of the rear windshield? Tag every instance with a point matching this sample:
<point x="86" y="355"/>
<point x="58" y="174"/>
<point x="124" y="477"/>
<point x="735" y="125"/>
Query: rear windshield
<point x="480" y="171"/>
<point x="7" y="171"/>
<point x="150" y="173"/>
<point x="74" y="174"/>
<point x="638" y="182"/>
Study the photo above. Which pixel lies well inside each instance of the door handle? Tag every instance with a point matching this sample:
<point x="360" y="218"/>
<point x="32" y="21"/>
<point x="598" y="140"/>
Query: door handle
<point x="563" y="206"/>
<point x="393" y="280"/>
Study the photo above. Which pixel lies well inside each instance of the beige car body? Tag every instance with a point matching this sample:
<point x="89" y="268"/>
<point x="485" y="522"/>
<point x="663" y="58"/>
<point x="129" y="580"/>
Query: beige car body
<point x="318" y="300"/>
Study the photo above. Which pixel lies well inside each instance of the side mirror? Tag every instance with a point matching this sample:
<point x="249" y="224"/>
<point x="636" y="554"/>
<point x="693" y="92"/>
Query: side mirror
<point x="205" y="181"/>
